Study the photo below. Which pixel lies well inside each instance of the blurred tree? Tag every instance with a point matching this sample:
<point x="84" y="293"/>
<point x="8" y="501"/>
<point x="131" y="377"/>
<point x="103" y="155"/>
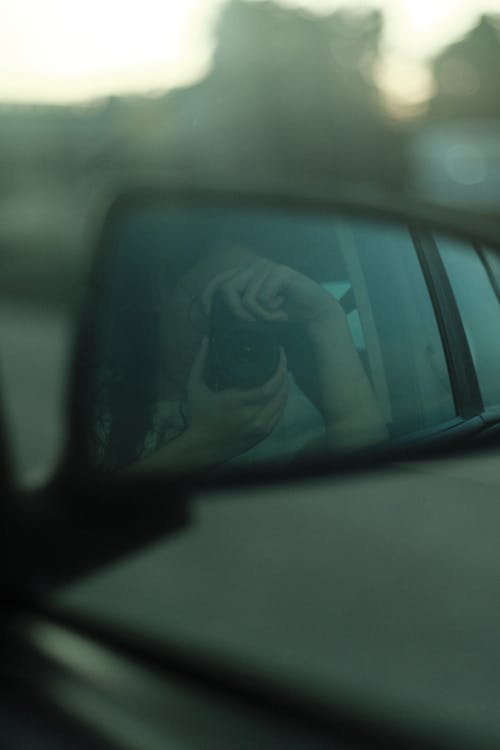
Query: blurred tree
<point x="289" y="94"/>
<point x="466" y="75"/>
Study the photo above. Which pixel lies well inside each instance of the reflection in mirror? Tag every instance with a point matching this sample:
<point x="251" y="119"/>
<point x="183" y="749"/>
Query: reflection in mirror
<point x="228" y="337"/>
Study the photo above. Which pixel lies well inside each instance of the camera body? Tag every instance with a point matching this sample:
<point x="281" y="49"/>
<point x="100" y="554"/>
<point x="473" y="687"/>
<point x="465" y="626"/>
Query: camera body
<point x="241" y="354"/>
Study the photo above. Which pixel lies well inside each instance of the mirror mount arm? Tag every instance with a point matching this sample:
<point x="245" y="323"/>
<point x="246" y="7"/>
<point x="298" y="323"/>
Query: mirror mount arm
<point x="59" y="533"/>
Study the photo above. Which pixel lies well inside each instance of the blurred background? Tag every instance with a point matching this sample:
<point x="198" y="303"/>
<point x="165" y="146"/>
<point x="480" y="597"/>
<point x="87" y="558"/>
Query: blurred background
<point x="397" y="95"/>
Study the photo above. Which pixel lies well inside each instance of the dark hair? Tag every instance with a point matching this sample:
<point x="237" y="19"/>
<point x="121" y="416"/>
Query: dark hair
<point x="125" y="361"/>
<point x="141" y="252"/>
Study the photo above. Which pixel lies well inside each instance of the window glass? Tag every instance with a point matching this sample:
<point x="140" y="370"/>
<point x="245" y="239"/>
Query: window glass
<point x="403" y="340"/>
<point x="198" y="304"/>
<point x="480" y="310"/>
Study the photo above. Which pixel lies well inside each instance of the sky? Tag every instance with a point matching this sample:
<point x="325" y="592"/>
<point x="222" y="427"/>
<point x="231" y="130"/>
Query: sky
<point x="60" y="51"/>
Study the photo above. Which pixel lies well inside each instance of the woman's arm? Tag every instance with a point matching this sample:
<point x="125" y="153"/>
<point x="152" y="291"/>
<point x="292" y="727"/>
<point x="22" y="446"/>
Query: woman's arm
<point x="186" y="452"/>
<point x="346" y="398"/>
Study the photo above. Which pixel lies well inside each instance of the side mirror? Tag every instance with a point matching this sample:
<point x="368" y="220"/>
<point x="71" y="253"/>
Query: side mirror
<point x="407" y="329"/>
<point x="235" y="333"/>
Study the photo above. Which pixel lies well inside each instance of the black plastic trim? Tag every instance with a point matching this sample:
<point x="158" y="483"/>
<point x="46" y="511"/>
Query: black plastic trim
<point x="463" y="376"/>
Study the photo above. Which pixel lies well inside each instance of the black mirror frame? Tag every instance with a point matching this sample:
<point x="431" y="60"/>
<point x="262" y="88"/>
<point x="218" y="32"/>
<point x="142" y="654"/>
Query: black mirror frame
<point x="314" y="199"/>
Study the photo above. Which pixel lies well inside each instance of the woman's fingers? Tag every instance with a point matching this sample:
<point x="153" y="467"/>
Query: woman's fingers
<point x="234" y="420"/>
<point x="275" y="285"/>
<point x="252" y="298"/>
<point x="270" y="292"/>
<point x="250" y="292"/>
<point x="231" y="284"/>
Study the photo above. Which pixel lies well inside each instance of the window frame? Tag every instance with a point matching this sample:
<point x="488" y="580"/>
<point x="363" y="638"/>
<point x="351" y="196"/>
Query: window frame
<point x="462" y="371"/>
<point x="490" y="414"/>
<point x="481" y="251"/>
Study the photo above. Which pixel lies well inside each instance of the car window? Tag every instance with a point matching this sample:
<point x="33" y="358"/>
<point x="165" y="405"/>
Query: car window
<point x="373" y="270"/>
<point x="480" y="310"/>
<point x="402" y="334"/>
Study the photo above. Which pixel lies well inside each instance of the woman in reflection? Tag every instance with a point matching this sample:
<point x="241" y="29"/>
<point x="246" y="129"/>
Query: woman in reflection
<point x="160" y="415"/>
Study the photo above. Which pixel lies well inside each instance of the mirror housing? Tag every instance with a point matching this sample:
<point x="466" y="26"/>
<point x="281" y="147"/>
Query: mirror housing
<point x="190" y="202"/>
<point x="83" y="519"/>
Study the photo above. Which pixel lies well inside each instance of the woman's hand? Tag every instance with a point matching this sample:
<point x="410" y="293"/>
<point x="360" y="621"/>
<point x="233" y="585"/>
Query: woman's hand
<point x="273" y="292"/>
<point x="228" y="423"/>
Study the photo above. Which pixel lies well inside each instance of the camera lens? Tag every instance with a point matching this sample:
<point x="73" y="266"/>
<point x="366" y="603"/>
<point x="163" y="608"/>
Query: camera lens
<point x="242" y="354"/>
<point x="246" y="356"/>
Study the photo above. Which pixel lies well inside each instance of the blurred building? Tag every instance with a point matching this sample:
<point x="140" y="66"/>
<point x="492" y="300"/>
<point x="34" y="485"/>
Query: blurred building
<point x="289" y="94"/>
<point x="455" y="153"/>
<point x="457" y="163"/>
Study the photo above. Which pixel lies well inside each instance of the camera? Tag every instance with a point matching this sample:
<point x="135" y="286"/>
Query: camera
<point x="241" y="354"/>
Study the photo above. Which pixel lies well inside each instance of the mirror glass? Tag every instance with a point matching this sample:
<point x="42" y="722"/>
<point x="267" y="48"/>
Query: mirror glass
<point x="221" y="337"/>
